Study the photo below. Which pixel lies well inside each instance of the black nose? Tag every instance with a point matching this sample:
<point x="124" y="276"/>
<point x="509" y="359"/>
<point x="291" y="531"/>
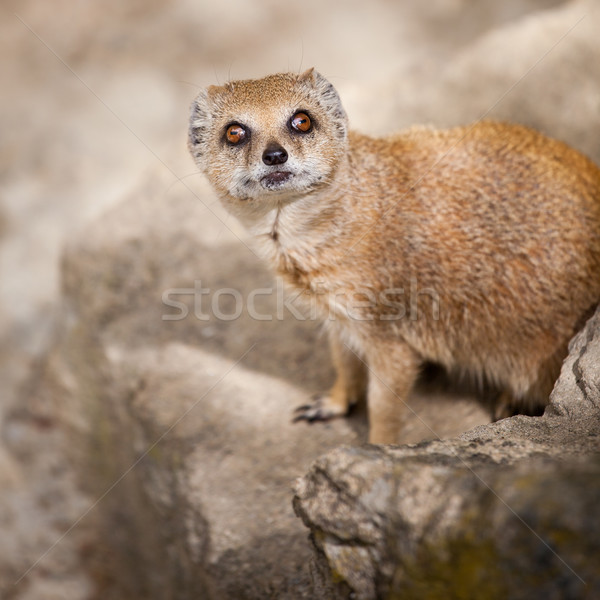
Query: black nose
<point x="274" y="154"/>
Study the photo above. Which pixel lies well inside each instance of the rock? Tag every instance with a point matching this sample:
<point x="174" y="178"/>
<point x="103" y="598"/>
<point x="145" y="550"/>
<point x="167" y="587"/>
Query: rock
<point x="577" y="393"/>
<point x="188" y="446"/>
<point x="181" y="425"/>
<point x="506" y="510"/>
<point x="392" y="525"/>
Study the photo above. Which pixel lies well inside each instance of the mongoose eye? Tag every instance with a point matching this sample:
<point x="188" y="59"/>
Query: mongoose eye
<point x="301" y="122"/>
<point x="235" y="134"/>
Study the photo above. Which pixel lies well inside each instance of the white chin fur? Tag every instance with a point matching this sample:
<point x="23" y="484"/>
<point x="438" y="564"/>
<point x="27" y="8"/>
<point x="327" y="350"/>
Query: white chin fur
<point x="250" y="183"/>
<point x="250" y="188"/>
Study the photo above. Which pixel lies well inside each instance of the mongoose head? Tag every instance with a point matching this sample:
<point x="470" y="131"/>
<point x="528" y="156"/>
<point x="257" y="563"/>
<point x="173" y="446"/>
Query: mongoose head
<point x="276" y="138"/>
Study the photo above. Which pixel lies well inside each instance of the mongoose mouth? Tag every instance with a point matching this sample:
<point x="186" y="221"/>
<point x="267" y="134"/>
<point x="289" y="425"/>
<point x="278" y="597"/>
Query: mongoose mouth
<point x="275" y="179"/>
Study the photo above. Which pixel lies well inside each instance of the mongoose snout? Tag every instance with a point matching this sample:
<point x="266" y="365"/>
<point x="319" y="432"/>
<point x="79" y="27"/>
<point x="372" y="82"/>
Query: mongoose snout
<point x="493" y="225"/>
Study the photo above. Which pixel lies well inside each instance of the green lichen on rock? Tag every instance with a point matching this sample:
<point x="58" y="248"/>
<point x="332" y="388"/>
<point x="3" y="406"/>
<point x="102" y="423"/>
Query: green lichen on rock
<point x="461" y="569"/>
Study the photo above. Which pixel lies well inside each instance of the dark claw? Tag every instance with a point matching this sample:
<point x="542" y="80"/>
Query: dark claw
<point x="312" y="412"/>
<point x="310" y="417"/>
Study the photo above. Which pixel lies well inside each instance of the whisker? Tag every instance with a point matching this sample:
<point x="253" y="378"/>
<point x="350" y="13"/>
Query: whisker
<point x="194" y="85"/>
<point x="180" y="179"/>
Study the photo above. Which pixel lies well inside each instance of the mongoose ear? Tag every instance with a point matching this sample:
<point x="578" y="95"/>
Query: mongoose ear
<point x="307" y="75"/>
<point x="328" y="98"/>
<point x="199" y="125"/>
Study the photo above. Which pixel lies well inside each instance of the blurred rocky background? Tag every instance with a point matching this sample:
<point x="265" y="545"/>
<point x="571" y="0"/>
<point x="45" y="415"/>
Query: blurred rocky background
<point x="146" y="456"/>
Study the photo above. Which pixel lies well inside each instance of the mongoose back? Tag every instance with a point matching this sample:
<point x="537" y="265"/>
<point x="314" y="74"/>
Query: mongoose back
<point x="476" y="247"/>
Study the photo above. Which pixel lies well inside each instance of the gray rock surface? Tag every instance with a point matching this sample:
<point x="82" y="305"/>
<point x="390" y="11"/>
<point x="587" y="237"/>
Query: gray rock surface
<point x="187" y="423"/>
<point x="506" y="510"/>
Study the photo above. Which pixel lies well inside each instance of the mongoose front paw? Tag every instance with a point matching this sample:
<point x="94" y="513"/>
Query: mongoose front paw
<point x="320" y="409"/>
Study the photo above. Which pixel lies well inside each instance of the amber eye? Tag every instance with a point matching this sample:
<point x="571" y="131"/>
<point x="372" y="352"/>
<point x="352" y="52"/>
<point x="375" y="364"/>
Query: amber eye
<point x="301" y="122"/>
<point x="235" y="134"/>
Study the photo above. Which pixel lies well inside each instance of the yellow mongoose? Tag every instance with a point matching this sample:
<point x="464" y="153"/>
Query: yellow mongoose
<point x="477" y="247"/>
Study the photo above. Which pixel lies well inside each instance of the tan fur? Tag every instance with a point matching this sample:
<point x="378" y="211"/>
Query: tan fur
<point x="477" y="247"/>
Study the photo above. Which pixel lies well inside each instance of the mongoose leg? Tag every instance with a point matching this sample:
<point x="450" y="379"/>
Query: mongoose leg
<point x="392" y="374"/>
<point x="506" y="405"/>
<point x="349" y="388"/>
